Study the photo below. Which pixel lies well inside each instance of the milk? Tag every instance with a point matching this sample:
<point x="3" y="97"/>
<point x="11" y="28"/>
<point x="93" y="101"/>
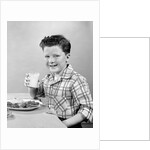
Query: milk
<point x="34" y="78"/>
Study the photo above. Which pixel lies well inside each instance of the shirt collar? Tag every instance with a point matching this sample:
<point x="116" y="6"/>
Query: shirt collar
<point x="67" y="73"/>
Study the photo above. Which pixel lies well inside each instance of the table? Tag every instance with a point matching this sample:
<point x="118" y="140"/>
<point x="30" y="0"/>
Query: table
<point x="37" y="118"/>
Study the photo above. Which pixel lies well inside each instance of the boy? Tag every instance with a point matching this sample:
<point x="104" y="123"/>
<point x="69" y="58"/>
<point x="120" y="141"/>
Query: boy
<point x="67" y="91"/>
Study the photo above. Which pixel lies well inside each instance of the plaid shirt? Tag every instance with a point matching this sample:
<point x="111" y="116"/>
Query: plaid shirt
<point x="68" y="95"/>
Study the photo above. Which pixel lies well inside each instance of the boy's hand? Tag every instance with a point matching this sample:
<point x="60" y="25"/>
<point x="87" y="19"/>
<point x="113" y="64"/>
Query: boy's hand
<point x="74" y="120"/>
<point x="27" y="80"/>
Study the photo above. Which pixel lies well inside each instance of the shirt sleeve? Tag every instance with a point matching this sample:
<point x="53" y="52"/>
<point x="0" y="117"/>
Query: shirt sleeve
<point x="82" y="95"/>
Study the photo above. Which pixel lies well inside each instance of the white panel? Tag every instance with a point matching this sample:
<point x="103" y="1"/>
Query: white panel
<point x="124" y="88"/>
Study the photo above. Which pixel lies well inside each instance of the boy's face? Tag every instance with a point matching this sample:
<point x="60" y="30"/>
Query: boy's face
<point x="56" y="59"/>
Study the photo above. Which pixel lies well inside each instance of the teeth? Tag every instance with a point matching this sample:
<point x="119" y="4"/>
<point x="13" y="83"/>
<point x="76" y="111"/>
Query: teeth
<point x="53" y="65"/>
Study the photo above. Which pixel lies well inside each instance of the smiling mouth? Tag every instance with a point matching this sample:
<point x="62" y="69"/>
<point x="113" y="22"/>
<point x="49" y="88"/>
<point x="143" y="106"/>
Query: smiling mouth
<point x="52" y="66"/>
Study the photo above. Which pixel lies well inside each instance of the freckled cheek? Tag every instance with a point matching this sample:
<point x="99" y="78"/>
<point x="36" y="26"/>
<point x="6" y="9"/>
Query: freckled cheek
<point x="46" y="63"/>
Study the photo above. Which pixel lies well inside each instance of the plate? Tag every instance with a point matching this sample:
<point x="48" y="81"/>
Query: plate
<point x="21" y="102"/>
<point x="29" y="108"/>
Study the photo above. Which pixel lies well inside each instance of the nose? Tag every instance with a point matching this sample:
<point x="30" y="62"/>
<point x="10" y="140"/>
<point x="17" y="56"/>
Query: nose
<point x="51" y="60"/>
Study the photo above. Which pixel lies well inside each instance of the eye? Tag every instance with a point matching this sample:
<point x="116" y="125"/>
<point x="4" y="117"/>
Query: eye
<point x="46" y="56"/>
<point x="56" y="56"/>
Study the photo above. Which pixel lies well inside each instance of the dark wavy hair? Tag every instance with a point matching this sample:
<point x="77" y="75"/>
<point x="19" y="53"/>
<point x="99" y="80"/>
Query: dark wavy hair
<point x="56" y="40"/>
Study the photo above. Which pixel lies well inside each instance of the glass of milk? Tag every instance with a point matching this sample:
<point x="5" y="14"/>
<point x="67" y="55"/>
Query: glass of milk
<point x="34" y="78"/>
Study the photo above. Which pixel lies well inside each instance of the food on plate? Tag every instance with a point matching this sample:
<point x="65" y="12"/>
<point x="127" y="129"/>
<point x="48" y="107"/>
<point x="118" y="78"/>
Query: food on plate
<point x="33" y="103"/>
<point x="9" y="104"/>
<point x="27" y="104"/>
<point x="15" y="105"/>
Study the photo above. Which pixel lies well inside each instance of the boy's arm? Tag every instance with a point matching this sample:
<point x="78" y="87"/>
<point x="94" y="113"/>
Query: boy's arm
<point x="82" y="94"/>
<point x="74" y="120"/>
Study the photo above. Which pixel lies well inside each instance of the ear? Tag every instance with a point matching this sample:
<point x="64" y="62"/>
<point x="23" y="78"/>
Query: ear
<point x="68" y="56"/>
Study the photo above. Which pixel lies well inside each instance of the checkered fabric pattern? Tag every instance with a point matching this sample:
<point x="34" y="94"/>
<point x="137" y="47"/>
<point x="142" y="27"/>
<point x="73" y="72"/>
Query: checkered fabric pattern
<point x="68" y="95"/>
